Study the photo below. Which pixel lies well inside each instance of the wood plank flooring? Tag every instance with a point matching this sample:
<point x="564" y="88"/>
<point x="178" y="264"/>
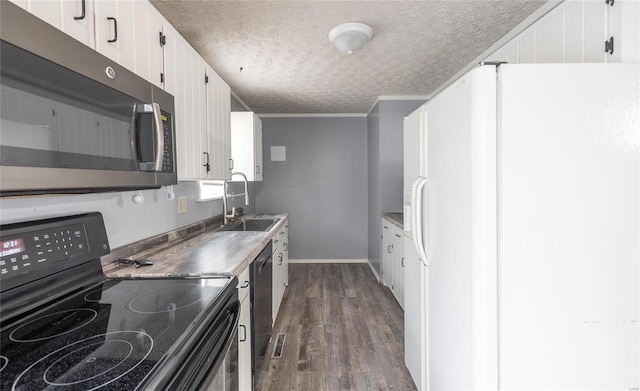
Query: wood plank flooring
<point x="344" y="331"/>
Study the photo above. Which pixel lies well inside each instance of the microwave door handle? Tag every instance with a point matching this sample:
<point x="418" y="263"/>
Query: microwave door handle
<point x="134" y="135"/>
<point x="159" y="136"/>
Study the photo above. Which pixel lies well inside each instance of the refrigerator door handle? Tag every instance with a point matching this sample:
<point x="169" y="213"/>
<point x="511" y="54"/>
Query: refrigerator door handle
<point x="416" y="218"/>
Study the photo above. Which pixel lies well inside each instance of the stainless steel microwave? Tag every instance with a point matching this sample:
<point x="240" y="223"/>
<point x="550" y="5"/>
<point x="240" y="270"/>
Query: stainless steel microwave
<point x="72" y="120"/>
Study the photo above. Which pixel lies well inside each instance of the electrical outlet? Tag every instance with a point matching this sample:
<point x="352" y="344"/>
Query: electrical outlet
<point x="182" y="204"/>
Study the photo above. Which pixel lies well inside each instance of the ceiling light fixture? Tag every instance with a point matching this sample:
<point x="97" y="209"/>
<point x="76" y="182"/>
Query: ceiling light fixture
<point x="350" y="37"/>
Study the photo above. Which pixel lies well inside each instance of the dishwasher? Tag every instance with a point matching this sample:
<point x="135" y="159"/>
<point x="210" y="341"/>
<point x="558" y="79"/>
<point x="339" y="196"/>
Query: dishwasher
<point x="261" y="316"/>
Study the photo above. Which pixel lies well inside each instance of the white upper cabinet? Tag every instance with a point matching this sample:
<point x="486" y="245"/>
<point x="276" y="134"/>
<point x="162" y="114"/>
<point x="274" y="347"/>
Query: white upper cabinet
<point x="203" y="104"/>
<point x="115" y="32"/>
<point x="246" y="144"/>
<point x="127" y="31"/>
<point x="150" y="37"/>
<point x="219" y="126"/>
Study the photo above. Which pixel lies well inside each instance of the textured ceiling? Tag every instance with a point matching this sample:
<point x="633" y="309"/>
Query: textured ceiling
<point x="289" y="65"/>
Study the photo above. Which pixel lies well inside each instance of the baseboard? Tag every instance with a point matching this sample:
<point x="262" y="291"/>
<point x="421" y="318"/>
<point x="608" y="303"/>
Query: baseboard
<point x="373" y="269"/>
<point x="328" y="260"/>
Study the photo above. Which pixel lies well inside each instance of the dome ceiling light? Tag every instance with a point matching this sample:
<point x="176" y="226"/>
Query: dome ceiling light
<point x="350" y="37"/>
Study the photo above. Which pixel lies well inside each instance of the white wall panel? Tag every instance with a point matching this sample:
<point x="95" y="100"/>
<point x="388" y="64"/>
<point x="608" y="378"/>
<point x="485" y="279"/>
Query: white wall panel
<point x="628" y="14"/>
<point x="550" y="40"/>
<point x="574" y="33"/>
<point x="527" y="48"/>
<point x="594" y="31"/>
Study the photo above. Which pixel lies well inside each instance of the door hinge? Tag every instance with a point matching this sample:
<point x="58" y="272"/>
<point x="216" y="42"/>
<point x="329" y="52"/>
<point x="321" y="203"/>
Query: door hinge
<point x="163" y="39"/>
<point x="162" y="78"/>
<point x="206" y="79"/>
<point x="608" y="46"/>
<point x="610" y="2"/>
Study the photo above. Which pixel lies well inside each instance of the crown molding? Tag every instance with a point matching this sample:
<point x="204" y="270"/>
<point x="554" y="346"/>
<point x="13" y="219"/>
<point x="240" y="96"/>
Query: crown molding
<point x="313" y="115"/>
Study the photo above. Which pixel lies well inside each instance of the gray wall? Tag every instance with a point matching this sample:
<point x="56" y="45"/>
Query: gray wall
<point x="385" y="170"/>
<point x="322" y="184"/>
<point x="126" y="222"/>
<point x="236" y="105"/>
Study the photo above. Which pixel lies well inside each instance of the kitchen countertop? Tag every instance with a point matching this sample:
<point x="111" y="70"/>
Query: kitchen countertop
<point x="211" y="252"/>
<point x="396" y="219"/>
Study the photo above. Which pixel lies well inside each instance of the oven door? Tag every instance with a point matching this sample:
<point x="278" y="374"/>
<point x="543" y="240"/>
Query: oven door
<point x="226" y="377"/>
<point x="215" y="364"/>
<point x="208" y="359"/>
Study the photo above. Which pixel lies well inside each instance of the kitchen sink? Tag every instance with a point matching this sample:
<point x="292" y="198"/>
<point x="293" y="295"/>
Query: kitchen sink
<point x="251" y="225"/>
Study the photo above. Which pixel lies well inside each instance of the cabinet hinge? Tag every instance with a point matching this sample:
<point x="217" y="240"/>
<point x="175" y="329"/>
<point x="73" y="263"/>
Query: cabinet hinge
<point x="206" y="79"/>
<point x="163" y="39"/>
<point x="608" y="46"/>
<point x="162" y="78"/>
<point x="610" y="2"/>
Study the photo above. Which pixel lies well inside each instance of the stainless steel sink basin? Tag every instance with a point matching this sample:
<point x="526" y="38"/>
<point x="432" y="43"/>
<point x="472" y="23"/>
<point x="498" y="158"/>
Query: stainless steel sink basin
<point x="251" y="225"/>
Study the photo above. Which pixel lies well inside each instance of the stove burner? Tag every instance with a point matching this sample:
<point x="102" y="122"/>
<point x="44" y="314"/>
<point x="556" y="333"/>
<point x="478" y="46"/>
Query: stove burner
<point x="166" y="299"/>
<point x="3" y="362"/>
<point x="53" y="325"/>
<point x="113" y="292"/>
<point x="88" y="364"/>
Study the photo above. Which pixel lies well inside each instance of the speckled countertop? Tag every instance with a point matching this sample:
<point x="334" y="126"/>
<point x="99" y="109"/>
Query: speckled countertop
<point x="211" y="252"/>
<point x="396" y="219"/>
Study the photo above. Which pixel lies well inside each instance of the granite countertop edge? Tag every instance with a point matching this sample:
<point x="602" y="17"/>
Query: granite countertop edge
<point x="212" y="252"/>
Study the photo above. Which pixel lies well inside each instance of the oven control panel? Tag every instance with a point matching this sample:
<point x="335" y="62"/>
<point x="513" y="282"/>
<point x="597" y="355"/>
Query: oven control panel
<point x="19" y="253"/>
<point x="31" y="250"/>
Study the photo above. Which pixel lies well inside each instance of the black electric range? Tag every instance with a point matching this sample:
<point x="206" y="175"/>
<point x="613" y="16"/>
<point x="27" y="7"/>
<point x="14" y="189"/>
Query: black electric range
<point x="65" y="326"/>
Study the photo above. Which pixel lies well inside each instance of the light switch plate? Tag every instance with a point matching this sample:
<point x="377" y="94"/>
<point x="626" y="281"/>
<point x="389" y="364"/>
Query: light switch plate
<point x="182" y="205"/>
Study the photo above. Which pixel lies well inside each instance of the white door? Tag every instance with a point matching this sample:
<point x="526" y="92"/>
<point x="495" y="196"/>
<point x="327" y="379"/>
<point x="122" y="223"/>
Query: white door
<point x="415" y="315"/>
<point x="413" y="155"/>
<point x="569" y="226"/>
<point x="459" y="224"/>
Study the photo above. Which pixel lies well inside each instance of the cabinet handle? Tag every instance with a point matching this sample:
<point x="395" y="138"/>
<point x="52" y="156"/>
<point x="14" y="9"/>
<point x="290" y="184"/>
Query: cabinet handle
<point x="207" y="165"/>
<point x="232" y="164"/>
<point x="280" y="258"/>
<point x="285" y="246"/>
<point x="257" y="169"/>
<point x="247" y="283"/>
<point x="402" y="261"/>
<point x="244" y="333"/>
<point x="397" y="235"/>
<point x="84" y="11"/>
<point x="389" y="248"/>
<point x="385" y="227"/>
<point x="115" y="29"/>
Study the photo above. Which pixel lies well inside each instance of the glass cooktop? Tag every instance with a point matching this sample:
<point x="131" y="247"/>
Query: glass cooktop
<point x="108" y="337"/>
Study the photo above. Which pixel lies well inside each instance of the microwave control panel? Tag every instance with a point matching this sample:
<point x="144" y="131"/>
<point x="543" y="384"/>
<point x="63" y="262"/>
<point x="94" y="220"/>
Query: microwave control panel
<point x="167" y="159"/>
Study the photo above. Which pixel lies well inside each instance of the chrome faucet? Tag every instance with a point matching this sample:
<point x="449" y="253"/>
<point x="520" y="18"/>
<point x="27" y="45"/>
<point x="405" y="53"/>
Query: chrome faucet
<point x="231" y="217"/>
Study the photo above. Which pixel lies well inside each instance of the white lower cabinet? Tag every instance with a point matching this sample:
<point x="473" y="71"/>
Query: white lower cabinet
<point x="392" y="258"/>
<point x="280" y="267"/>
<point x="398" y="263"/>
<point x="244" y="332"/>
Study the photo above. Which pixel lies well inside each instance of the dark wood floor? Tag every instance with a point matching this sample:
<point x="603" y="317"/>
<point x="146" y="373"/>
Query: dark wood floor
<point x="344" y="331"/>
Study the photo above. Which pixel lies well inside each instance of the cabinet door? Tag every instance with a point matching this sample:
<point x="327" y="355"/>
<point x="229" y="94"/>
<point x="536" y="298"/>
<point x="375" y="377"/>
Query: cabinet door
<point x="78" y="20"/>
<point x="246" y="134"/>
<point x="149" y="24"/>
<point x="285" y="251"/>
<point x="191" y="124"/>
<point x="278" y="286"/>
<point x="398" y="260"/>
<point x="47" y="10"/>
<point x="257" y="147"/>
<point x="114" y="31"/>
<point x="386" y="253"/>
<point x="244" y="345"/>
<point x="219" y="125"/>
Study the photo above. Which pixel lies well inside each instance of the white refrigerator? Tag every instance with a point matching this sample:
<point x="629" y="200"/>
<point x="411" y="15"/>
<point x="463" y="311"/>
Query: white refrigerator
<point x="525" y="219"/>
